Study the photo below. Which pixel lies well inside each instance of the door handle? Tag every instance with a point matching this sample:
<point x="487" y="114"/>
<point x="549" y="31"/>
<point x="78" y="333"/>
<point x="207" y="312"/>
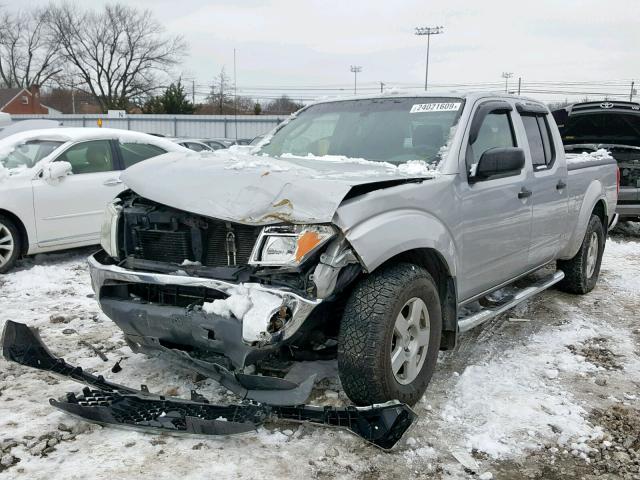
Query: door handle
<point x="112" y="182"/>
<point x="561" y="185"/>
<point x="524" y="193"/>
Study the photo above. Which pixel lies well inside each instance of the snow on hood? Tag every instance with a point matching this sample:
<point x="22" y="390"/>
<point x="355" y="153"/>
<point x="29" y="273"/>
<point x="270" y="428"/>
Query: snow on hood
<point x="259" y="190"/>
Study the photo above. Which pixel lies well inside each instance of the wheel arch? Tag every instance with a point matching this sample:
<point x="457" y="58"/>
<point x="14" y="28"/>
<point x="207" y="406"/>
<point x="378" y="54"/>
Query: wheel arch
<point x="594" y="202"/>
<point x="24" y="236"/>
<point x="416" y="236"/>
<point x="434" y="262"/>
<point x="600" y="210"/>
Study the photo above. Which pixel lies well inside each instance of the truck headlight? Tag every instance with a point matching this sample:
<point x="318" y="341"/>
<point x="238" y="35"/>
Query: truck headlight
<point x="289" y="245"/>
<point x="109" y="230"/>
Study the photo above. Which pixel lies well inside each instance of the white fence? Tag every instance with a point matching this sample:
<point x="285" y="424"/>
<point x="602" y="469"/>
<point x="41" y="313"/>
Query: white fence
<point x="185" y="126"/>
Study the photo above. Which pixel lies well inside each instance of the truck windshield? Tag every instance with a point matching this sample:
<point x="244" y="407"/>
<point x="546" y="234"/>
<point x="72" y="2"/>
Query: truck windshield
<point x="26" y="155"/>
<point x="392" y="130"/>
<point x="617" y="128"/>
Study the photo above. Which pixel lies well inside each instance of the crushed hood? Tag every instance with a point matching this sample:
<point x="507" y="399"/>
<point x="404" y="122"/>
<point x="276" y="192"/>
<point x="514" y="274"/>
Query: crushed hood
<point x="237" y="186"/>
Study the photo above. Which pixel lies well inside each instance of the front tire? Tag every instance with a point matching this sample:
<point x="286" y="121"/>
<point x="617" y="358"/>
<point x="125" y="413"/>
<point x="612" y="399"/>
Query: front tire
<point x="582" y="271"/>
<point x="390" y="336"/>
<point x="10" y="244"/>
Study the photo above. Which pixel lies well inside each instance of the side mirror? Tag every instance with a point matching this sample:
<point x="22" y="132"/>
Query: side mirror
<point x="500" y="161"/>
<point x="54" y="171"/>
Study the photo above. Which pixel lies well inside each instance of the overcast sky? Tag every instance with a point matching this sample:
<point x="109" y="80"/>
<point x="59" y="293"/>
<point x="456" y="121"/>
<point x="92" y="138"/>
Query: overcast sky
<point x="301" y="43"/>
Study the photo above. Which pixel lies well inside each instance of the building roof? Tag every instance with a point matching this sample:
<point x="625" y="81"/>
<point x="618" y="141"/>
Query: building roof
<point x="8" y="94"/>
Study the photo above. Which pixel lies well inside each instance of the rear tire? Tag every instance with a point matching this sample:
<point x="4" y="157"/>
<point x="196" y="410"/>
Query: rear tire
<point x="390" y="336"/>
<point x="10" y="244"/>
<point x="582" y="271"/>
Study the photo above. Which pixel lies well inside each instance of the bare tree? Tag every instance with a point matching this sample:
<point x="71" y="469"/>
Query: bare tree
<point x="220" y="97"/>
<point x="28" y="52"/>
<point x="117" y="53"/>
<point x="283" y="105"/>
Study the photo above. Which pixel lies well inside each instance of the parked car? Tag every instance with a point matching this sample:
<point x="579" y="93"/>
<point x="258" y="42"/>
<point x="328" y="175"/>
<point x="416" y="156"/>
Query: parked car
<point x="228" y="142"/>
<point x="366" y="230"/>
<point x="55" y="183"/>
<point x="195" y="145"/>
<point x="214" y="144"/>
<point x="256" y="140"/>
<point x="614" y="126"/>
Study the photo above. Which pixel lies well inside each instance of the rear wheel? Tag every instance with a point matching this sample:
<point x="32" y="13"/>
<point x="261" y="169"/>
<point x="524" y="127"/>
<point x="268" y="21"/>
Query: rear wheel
<point x="10" y="244"/>
<point x="582" y="271"/>
<point x="390" y="336"/>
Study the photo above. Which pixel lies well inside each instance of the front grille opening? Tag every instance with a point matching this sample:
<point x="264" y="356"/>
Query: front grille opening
<point x="173" y="237"/>
<point x="168" y="295"/>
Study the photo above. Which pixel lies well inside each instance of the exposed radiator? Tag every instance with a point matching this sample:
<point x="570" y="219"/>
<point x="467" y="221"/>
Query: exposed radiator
<point x="220" y="244"/>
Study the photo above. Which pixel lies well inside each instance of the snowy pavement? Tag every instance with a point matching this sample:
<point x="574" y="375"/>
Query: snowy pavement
<point x="549" y="390"/>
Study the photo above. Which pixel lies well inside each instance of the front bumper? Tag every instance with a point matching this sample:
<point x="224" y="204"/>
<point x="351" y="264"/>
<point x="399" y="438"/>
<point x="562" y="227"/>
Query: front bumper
<point x="151" y="327"/>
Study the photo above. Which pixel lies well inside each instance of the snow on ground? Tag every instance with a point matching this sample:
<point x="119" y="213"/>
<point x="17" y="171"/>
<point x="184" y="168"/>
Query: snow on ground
<point x="509" y="390"/>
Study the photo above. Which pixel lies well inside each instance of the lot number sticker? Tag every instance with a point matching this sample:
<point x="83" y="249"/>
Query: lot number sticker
<point x="436" y="107"/>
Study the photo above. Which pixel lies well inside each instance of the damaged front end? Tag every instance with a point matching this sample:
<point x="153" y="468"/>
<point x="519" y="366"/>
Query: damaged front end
<point x="218" y="296"/>
<point x="108" y="403"/>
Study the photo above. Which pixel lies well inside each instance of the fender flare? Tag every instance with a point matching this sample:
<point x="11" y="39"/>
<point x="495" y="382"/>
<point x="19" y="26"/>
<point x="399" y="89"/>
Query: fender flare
<point x="383" y="236"/>
<point x="594" y="194"/>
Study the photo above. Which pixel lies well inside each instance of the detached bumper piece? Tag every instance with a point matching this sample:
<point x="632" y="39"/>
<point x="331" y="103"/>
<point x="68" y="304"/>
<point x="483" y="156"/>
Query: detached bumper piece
<point x="161" y="414"/>
<point x="23" y="345"/>
<point x="112" y="404"/>
<point x="382" y="425"/>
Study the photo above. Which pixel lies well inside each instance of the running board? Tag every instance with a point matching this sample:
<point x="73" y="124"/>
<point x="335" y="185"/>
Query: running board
<point x="475" y="319"/>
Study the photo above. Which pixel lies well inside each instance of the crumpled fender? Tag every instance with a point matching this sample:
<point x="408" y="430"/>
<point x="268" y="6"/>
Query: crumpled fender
<point x="385" y="235"/>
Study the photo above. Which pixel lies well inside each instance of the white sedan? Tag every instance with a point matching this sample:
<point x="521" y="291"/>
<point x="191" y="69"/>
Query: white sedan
<point x="55" y="184"/>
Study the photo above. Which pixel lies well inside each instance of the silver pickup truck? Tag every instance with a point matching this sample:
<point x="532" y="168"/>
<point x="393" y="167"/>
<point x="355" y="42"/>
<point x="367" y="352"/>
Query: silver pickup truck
<point x="373" y="230"/>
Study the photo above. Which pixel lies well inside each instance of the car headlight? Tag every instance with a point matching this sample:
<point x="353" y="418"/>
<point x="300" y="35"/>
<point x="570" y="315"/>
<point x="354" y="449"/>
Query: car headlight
<point x="109" y="230"/>
<point x="289" y="245"/>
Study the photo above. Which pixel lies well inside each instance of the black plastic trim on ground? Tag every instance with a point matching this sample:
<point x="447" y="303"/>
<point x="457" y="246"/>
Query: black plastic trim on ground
<point x="112" y="404"/>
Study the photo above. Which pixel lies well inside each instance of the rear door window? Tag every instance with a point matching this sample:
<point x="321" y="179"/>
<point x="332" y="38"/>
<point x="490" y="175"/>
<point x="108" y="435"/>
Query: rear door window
<point x="133" y="153"/>
<point x="539" y="138"/>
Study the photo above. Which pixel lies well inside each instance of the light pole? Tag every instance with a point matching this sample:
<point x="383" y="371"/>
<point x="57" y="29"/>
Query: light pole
<point x="506" y="76"/>
<point x="428" y="31"/>
<point x="356" y="69"/>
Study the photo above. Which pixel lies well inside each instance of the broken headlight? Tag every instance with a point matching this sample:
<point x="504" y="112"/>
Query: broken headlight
<point x="289" y="245"/>
<point x="109" y="230"/>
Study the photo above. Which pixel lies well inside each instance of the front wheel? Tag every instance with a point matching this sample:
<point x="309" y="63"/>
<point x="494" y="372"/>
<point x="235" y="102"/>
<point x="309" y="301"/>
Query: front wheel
<point x="9" y="244"/>
<point x="582" y="271"/>
<point x="390" y="336"/>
